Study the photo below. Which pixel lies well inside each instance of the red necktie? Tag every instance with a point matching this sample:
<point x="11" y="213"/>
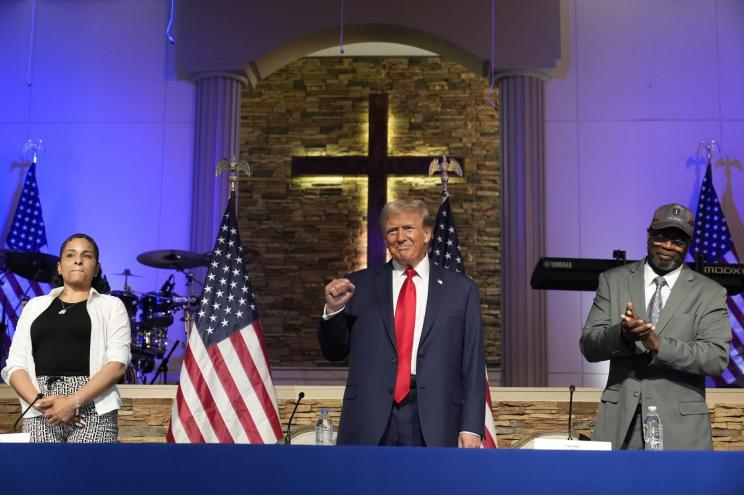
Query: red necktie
<point x="405" y="320"/>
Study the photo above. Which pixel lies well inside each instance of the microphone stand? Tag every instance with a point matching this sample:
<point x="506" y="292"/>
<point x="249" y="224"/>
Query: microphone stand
<point x="15" y="425"/>
<point x="163" y="367"/>
<point x="570" y="411"/>
<point x="287" y="440"/>
<point x="3" y="336"/>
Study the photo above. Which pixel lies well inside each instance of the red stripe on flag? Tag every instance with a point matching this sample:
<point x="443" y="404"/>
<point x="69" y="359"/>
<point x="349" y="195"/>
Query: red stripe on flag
<point x="488" y="441"/>
<point x="233" y="394"/>
<point x="249" y="366"/>
<point x="489" y="432"/>
<point x="188" y="423"/>
<point x="205" y="397"/>
<point x="260" y="336"/>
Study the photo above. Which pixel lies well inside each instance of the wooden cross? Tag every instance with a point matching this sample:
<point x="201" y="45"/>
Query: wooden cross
<point x="376" y="166"/>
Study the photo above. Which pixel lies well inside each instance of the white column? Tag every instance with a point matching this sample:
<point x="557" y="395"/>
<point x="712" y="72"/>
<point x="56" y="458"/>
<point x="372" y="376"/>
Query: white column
<point x="217" y="126"/>
<point x="523" y="312"/>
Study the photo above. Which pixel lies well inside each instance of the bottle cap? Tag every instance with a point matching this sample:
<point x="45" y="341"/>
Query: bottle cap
<point x="652" y="408"/>
<point x="324" y="411"/>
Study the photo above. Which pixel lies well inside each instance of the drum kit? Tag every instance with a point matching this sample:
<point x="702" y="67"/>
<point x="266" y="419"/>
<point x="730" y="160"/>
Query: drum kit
<point x="151" y="314"/>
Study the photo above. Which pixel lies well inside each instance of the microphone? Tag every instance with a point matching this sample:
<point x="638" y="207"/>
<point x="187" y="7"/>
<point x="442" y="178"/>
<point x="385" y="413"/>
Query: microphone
<point x="570" y="411"/>
<point x="287" y="440"/>
<point x="168" y="286"/>
<point x="15" y="425"/>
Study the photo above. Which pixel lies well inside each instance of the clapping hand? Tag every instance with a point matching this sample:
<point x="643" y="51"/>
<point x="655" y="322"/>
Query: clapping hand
<point x="633" y="327"/>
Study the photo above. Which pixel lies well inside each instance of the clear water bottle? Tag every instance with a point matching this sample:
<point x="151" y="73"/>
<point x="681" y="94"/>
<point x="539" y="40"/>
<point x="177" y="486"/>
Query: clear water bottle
<point x="324" y="429"/>
<point x="653" y="430"/>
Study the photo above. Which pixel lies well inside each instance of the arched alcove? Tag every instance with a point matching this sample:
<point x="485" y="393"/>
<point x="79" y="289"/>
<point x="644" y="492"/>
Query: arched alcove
<point x="311" y="229"/>
<point x="361" y="33"/>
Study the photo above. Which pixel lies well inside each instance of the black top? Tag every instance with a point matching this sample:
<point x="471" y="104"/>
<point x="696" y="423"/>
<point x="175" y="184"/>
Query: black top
<point x="61" y="342"/>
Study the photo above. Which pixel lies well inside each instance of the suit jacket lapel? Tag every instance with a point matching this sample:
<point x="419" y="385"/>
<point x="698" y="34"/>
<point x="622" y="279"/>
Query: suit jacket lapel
<point x="437" y="283"/>
<point x="637" y="289"/>
<point x="679" y="293"/>
<point x="384" y="289"/>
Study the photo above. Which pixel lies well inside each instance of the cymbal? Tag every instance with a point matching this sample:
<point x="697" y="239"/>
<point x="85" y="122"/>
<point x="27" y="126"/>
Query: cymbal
<point x="173" y="259"/>
<point x="36" y="267"/>
<point x="127" y="273"/>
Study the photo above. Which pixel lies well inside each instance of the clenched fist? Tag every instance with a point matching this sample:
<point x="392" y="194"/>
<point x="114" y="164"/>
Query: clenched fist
<point x="337" y="294"/>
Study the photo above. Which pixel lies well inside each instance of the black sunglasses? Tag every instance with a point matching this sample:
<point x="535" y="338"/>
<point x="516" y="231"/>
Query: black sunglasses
<point x="661" y="238"/>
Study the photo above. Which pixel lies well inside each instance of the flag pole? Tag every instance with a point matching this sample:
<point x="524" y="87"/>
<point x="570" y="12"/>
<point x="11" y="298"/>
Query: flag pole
<point x="445" y="252"/>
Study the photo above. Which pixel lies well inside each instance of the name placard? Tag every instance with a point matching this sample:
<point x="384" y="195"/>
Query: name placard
<point x="565" y="444"/>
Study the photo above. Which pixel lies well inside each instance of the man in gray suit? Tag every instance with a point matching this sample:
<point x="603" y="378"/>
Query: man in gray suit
<point x="664" y="328"/>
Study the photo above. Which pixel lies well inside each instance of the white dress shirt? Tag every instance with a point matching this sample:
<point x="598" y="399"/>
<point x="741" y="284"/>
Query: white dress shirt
<point x="650" y="286"/>
<point x="421" y="282"/>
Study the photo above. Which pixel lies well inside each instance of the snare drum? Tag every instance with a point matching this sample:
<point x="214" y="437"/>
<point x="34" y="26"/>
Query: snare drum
<point x="157" y="309"/>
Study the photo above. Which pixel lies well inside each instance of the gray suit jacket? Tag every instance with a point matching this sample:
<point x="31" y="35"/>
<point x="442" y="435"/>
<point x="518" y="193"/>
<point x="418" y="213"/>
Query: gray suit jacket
<point x="694" y="334"/>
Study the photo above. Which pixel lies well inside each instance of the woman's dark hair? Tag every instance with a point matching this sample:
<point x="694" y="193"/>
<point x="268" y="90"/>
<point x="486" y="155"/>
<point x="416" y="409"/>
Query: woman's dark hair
<point x="99" y="283"/>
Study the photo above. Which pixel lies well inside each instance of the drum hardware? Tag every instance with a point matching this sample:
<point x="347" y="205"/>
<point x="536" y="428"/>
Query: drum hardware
<point x="173" y="259"/>
<point x="35" y="267"/>
<point x="163" y="367"/>
<point x="138" y="366"/>
<point x="152" y="313"/>
<point x="156" y="309"/>
<point x="126" y="274"/>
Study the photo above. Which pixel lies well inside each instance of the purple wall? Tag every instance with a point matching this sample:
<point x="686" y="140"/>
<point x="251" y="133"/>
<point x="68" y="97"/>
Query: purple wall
<point x="118" y="126"/>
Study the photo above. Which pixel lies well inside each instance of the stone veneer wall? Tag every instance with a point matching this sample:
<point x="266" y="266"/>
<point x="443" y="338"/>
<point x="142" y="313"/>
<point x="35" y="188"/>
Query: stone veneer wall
<point x="147" y="419"/>
<point x="309" y="230"/>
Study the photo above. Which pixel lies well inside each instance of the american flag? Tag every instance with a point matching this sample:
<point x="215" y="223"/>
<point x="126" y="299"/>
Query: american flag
<point x="444" y="251"/>
<point x="27" y="233"/>
<point x="225" y="393"/>
<point x="713" y="240"/>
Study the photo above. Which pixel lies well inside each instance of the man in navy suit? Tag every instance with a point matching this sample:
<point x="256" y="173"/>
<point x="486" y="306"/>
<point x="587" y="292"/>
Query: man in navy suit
<point x="413" y="334"/>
